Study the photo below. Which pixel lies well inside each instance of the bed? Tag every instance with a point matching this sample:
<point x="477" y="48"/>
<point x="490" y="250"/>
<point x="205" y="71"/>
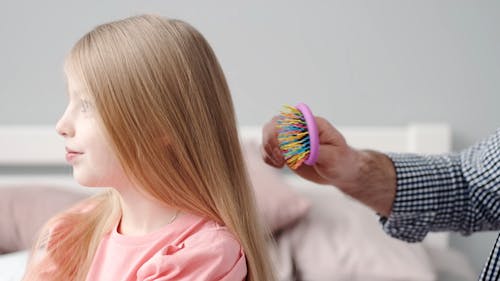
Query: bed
<point x="318" y="233"/>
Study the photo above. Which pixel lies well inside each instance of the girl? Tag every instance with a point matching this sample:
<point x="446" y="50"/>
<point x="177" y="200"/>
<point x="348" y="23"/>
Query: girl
<point x="150" y="115"/>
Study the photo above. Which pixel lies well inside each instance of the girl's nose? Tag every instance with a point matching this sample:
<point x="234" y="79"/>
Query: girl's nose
<point x="64" y="127"/>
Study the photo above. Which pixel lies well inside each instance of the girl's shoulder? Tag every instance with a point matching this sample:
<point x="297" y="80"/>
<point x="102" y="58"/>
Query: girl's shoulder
<point x="204" y="249"/>
<point x="198" y="231"/>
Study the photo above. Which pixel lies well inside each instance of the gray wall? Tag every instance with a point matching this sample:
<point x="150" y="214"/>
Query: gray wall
<point x="354" y="62"/>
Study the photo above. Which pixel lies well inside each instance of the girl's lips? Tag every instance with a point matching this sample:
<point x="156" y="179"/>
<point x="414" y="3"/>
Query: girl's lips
<point x="71" y="155"/>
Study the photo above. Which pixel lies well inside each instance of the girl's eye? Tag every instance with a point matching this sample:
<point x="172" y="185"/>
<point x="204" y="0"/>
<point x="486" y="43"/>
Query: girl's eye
<point x="86" y="105"/>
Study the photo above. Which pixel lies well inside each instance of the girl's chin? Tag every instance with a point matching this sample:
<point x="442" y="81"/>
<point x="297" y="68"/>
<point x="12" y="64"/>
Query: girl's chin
<point x="85" y="180"/>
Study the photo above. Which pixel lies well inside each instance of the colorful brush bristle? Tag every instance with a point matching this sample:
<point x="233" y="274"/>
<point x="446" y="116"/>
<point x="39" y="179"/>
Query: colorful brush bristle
<point x="298" y="135"/>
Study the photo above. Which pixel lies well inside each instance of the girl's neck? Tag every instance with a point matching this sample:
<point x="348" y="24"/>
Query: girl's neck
<point x="141" y="214"/>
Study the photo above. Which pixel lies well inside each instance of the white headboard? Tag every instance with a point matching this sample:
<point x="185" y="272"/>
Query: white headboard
<point x="40" y="146"/>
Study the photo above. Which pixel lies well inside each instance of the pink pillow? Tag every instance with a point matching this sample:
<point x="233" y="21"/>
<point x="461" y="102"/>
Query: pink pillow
<point x="24" y="209"/>
<point x="278" y="205"/>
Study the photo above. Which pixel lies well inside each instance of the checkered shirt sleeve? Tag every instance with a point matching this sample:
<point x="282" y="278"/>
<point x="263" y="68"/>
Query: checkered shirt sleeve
<point x="452" y="192"/>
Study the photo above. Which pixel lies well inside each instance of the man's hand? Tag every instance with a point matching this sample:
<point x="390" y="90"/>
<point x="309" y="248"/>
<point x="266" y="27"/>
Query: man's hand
<point x="368" y="176"/>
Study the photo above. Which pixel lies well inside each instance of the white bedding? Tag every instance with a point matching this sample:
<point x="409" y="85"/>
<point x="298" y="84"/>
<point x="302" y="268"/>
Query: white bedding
<point x="12" y="266"/>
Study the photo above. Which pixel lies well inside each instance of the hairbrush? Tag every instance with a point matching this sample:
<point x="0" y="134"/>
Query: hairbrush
<point x="298" y="135"/>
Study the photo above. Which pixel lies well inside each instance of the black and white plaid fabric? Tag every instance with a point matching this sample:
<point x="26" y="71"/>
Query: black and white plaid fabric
<point x="452" y="192"/>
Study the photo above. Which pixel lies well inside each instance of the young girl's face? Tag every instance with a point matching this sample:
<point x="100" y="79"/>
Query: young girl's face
<point x="87" y="150"/>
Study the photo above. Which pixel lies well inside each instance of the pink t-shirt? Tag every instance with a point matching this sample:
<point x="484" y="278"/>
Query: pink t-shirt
<point x="190" y="248"/>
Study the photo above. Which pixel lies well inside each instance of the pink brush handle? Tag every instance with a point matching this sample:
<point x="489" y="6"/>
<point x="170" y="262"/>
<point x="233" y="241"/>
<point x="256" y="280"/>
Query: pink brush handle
<point x="313" y="133"/>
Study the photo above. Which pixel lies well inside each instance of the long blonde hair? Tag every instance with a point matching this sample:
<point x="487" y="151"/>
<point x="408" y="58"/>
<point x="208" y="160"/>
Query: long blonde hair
<point x="164" y="103"/>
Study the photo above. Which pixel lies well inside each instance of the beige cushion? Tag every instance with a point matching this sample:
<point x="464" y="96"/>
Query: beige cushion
<point x="25" y="208"/>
